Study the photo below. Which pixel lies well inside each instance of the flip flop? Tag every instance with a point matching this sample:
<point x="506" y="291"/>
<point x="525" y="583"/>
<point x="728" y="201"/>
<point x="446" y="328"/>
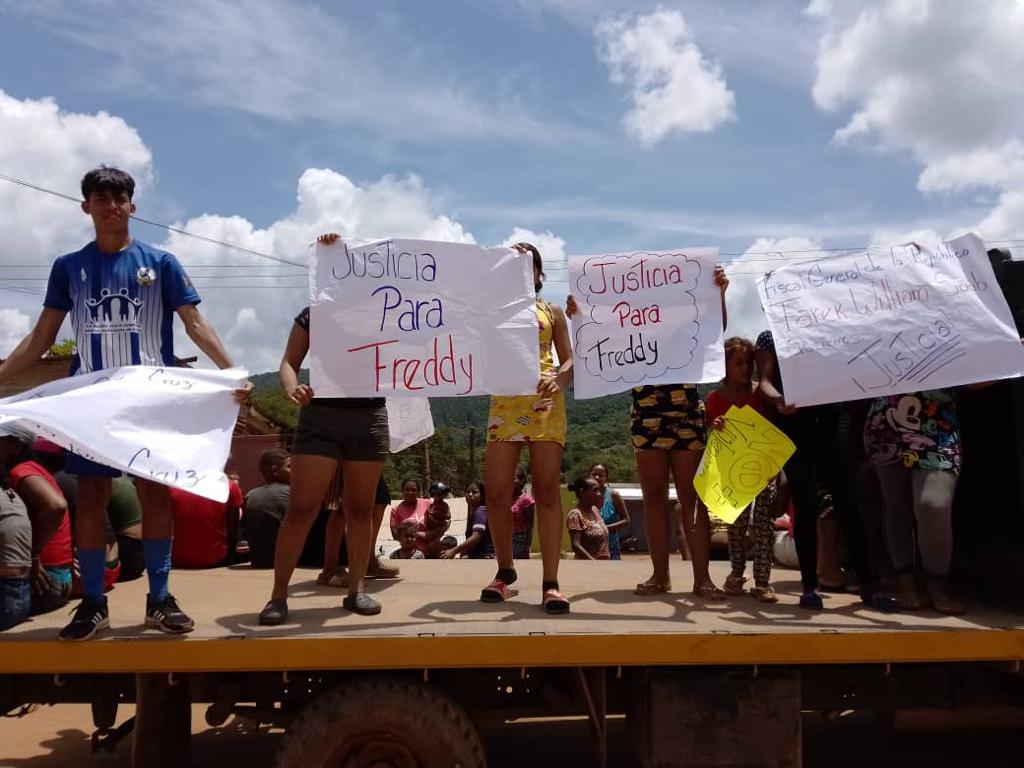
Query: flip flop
<point x="554" y="602"/>
<point x="648" y="588"/>
<point x="497" y="592"/>
<point x="710" y="593"/>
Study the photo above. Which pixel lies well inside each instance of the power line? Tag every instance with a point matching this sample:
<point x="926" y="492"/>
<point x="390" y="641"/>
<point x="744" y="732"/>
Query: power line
<point x="777" y="255"/>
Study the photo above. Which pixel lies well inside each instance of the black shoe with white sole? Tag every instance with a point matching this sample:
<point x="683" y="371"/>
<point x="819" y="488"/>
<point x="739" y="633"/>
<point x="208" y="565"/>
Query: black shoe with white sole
<point x="168" y="617"/>
<point x="88" y="619"/>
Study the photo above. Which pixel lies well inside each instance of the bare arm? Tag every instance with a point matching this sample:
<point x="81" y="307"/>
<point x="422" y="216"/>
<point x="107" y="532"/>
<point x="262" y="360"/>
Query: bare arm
<point x="470" y="544"/>
<point x="203" y="335"/>
<point x="621" y="511"/>
<point x="46" y="508"/>
<point x="765" y="363"/>
<point x="35" y="345"/>
<point x="723" y="284"/>
<point x="288" y="372"/>
<point x="577" y="545"/>
<point x="550" y="384"/>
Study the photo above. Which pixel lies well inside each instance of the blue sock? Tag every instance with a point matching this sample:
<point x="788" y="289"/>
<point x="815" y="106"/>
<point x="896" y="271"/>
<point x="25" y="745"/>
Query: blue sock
<point x="157" y="554"/>
<point x="91" y="563"/>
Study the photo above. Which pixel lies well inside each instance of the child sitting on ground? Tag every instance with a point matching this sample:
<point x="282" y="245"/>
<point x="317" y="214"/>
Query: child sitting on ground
<point x="439" y="517"/>
<point x="738" y="389"/>
<point x="407" y="543"/>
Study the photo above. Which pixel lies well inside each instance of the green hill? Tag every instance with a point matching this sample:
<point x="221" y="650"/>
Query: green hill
<point x="598" y="431"/>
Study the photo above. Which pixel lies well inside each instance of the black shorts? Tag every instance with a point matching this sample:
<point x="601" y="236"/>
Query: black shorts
<point x="342" y="434"/>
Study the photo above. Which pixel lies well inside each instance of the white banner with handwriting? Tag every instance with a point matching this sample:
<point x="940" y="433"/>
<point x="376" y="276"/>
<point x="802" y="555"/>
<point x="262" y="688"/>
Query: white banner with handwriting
<point x="170" y="425"/>
<point x="418" y="318"/>
<point x="886" y="322"/>
<point x="645" y="318"/>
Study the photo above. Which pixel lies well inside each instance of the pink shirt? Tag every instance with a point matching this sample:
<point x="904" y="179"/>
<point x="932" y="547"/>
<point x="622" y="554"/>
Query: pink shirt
<point x="417" y="513"/>
<point x="519" y="522"/>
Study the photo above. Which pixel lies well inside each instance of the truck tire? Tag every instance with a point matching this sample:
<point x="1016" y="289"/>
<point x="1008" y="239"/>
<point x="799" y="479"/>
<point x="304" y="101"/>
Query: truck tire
<point x="382" y="723"/>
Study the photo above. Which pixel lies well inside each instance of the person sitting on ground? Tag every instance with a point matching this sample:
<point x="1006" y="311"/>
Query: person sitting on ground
<point x="407" y="542"/>
<point x="613" y="510"/>
<point x="587" y="530"/>
<point x="477" y="544"/>
<point x="265" y="506"/>
<point x="15" y="560"/>
<point x="439" y="518"/>
<point x="739" y="390"/>
<point x="124" y="522"/>
<point x="205" y="531"/>
<point x="48" y="515"/>
<point x="412" y="509"/>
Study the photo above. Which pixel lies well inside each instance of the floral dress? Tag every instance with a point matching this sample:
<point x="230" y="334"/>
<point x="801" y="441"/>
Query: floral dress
<point x="525" y="418"/>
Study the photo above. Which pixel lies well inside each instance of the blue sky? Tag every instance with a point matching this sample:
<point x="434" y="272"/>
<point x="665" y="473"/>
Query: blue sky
<point x="597" y="126"/>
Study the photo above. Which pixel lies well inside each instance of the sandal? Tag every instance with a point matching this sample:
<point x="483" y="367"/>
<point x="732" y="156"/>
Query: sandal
<point x="497" y="592"/>
<point x="942" y="602"/>
<point x="379" y="570"/>
<point x="554" y="602"/>
<point x="710" y="593"/>
<point x="337" y="579"/>
<point x="734" y="584"/>
<point x="764" y="594"/>
<point x="648" y="588"/>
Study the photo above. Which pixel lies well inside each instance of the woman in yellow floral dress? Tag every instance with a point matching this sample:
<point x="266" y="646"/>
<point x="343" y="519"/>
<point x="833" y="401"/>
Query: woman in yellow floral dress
<point x="538" y="421"/>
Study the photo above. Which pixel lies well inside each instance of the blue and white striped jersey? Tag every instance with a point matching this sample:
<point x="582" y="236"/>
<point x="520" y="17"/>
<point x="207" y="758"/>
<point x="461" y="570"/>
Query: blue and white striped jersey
<point x="121" y="304"/>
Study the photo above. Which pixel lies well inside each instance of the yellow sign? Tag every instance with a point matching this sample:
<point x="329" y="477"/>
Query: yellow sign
<point x="738" y="462"/>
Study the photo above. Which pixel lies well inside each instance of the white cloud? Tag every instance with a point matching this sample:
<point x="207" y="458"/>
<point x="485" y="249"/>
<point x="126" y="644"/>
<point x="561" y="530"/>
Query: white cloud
<point x="550" y="245"/>
<point x="937" y="80"/>
<point x="14" y="326"/>
<point x="54" y="149"/>
<point x="746" y="317"/>
<point x="674" y="89"/>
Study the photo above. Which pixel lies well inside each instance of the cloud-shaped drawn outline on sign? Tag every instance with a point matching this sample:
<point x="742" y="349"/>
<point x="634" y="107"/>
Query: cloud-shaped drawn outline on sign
<point x="684" y="345"/>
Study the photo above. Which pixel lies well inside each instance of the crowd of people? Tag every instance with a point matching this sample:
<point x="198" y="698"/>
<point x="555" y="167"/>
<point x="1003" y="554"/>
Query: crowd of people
<point x="331" y="477"/>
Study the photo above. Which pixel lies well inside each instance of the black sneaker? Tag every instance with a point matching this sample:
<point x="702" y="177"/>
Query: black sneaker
<point x="274" y="612"/>
<point x="168" y="617"/>
<point x="89" y="617"/>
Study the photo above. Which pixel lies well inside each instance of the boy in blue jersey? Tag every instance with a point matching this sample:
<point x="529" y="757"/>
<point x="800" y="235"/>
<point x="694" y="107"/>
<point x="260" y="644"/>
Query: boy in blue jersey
<point x="122" y="296"/>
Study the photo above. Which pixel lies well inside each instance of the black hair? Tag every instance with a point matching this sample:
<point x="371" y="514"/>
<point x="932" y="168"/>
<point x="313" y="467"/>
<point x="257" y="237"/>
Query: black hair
<point x="447" y="542"/>
<point x="25" y="453"/>
<point x="407" y="526"/>
<point x="437" y="487"/>
<point x="414" y="480"/>
<point x="105" y="179"/>
<point x="480" y="487"/>
<point x="597" y="464"/>
<point x="581" y="484"/>
<point x="271" y="460"/>
<point x="521" y="473"/>
<point x="538" y="262"/>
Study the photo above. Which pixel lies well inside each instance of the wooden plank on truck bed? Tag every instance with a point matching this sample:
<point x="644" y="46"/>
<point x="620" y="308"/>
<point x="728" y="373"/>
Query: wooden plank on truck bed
<point x="433" y="619"/>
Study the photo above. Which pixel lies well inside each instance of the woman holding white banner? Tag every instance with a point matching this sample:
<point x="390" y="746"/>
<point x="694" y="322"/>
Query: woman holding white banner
<point x="669" y="434"/>
<point x="350" y="432"/>
<point x="539" y="422"/>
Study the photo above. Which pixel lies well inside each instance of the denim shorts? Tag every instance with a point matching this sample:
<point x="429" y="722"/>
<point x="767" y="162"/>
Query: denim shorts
<point x="15" y="602"/>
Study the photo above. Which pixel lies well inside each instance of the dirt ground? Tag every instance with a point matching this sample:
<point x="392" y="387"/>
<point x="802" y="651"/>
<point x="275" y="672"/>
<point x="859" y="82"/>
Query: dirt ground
<point x="59" y="736"/>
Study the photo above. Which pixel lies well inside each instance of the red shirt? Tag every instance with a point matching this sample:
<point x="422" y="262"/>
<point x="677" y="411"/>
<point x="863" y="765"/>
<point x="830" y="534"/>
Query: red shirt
<point x="201" y="527"/>
<point x="57" y="551"/>
<point x="717" y="404"/>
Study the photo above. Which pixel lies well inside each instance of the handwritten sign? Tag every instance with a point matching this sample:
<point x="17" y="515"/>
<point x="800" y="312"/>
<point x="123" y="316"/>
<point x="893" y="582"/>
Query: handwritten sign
<point x="645" y="318"/>
<point x="409" y="422"/>
<point x="738" y="462"/>
<point x="169" y="425"/>
<point x="888" y="322"/>
<point x="416" y="318"/>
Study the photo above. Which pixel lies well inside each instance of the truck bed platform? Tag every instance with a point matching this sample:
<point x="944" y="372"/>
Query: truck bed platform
<point x="432" y="619"/>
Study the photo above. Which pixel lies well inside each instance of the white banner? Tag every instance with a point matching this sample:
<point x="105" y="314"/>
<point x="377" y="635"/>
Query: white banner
<point x="409" y="422"/>
<point x="888" y="322"/>
<point x="645" y="318"/>
<point x="169" y="425"/>
<point x="416" y="318"/>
